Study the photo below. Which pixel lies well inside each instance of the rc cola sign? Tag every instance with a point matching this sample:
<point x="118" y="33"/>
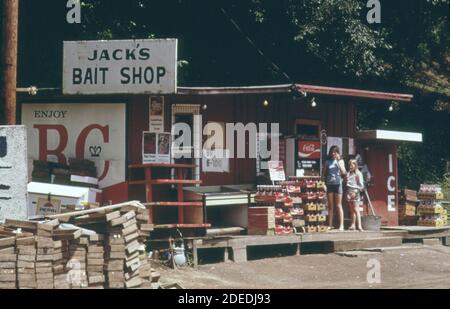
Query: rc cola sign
<point x="112" y="67"/>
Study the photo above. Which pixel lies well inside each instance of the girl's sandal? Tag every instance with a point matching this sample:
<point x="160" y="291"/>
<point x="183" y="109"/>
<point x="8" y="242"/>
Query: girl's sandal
<point x="352" y="228"/>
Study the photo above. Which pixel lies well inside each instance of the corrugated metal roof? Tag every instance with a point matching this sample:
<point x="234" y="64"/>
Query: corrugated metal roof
<point x="287" y="88"/>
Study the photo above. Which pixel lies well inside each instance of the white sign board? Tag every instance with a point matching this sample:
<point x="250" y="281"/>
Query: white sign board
<point x="13" y="172"/>
<point x="129" y="66"/>
<point x="96" y="132"/>
<point x="276" y="171"/>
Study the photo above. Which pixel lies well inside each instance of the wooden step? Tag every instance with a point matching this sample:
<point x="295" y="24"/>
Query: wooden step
<point x="169" y="204"/>
<point x="181" y="226"/>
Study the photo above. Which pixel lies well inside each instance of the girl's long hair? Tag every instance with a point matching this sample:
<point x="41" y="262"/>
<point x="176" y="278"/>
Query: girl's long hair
<point x="353" y="161"/>
<point x="333" y="149"/>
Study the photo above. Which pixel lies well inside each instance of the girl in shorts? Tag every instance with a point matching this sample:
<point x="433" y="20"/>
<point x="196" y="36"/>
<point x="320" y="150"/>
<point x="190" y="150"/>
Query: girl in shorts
<point x="334" y="172"/>
<point x="355" y="184"/>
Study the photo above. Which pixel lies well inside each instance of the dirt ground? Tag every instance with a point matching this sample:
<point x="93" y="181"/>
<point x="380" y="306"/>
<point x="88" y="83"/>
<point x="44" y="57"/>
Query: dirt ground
<point x="409" y="267"/>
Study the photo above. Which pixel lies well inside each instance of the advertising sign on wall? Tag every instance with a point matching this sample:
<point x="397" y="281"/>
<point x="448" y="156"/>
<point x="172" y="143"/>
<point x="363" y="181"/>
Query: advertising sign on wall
<point x="155" y="147"/>
<point x="96" y="132"/>
<point x="309" y="154"/>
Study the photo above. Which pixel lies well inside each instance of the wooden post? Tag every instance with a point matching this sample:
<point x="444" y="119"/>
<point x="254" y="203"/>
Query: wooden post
<point x="10" y="20"/>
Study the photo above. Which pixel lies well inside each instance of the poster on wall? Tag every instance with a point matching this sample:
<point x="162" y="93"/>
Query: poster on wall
<point x="334" y="141"/>
<point x="276" y="171"/>
<point x="95" y="132"/>
<point x="155" y="147"/>
<point x="156" y="111"/>
<point x="266" y="151"/>
<point x="309" y="154"/>
<point x="216" y="161"/>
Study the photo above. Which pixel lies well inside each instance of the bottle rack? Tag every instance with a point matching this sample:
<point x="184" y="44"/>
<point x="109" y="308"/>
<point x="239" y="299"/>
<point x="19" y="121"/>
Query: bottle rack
<point x="300" y="205"/>
<point x="314" y="204"/>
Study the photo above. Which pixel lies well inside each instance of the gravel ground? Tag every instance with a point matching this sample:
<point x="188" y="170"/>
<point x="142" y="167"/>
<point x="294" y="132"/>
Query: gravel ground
<point x="419" y="267"/>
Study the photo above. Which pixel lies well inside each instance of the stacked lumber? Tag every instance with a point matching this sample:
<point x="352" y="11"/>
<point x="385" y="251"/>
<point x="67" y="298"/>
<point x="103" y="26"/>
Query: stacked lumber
<point x="44" y="263"/>
<point x="94" y="248"/>
<point x="96" y="261"/>
<point x="8" y="263"/>
<point x="76" y="266"/>
<point x="26" y="248"/>
<point x="142" y="219"/>
<point x="60" y="260"/>
<point x="115" y="259"/>
<point x="125" y="227"/>
<point x="26" y="263"/>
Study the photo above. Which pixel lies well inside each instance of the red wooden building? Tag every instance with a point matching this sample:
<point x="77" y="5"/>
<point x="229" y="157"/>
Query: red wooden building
<point x="335" y="112"/>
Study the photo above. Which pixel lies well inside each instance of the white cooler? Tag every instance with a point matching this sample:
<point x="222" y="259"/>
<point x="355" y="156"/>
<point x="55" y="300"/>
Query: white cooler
<point x="68" y="195"/>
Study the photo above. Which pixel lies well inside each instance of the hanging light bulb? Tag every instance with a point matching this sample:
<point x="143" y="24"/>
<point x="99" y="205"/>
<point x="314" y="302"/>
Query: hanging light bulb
<point x="266" y="103"/>
<point x="391" y="108"/>
<point x="205" y="107"/>
<point x="313" y="102"/>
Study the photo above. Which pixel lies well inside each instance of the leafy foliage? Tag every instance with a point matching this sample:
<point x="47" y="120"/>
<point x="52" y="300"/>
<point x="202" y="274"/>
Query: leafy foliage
<point x="326" y="42"/>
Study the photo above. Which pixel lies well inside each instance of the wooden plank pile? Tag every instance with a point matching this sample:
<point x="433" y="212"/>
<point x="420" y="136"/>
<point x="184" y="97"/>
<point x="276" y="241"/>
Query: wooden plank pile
<point x="123" y="226"/>
<point x="8" y="263"/>
<point x="115" y="260"/>
<point x="96" y="261"/>
<point x="104" y="247"/>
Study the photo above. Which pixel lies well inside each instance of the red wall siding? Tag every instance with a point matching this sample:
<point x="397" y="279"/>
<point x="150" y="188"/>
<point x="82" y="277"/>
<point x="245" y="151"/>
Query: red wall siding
<point x="378" y="163"/>
<point x="337" y="119"/>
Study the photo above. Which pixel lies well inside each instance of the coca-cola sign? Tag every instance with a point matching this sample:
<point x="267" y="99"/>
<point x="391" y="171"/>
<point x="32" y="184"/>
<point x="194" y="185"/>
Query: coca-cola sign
<point x="309" y="149"/>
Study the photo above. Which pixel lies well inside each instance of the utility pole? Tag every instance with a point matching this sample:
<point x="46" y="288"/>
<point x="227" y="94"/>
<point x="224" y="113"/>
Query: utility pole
<point x="10" y="20"/>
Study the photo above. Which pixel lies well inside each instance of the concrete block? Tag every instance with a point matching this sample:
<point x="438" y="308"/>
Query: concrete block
<point x="432" y="241"/>
<point x="14" y="171"/>
<point x="446" y="241"/>
<point x="239" y="254"/>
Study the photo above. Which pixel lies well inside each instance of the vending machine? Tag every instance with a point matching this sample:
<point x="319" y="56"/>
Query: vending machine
<point x="303" y="157"/>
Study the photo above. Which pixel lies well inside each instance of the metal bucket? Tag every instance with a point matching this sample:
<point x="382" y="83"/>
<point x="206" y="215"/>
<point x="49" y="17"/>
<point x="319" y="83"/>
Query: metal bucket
<point x="371" y="223"/>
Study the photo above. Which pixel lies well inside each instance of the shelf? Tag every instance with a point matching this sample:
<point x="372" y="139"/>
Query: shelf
<point x="175" y="204"/>
<point x="164" y="182"/>
<point x="162" y="165"/>
<point x="149" y="182"/>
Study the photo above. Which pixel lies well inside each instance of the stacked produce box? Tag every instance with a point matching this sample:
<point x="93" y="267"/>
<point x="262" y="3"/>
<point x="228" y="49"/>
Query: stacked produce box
<point x="408" y="202"/>
<point x="297" y="205"/>
<point x="430" y="209"/>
